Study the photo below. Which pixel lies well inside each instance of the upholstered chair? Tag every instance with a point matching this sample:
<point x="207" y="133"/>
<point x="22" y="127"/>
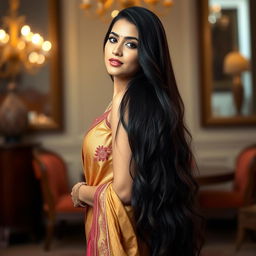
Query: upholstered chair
<point x="247" y="214"/>
<point x="51" y="170"/>
<point x="243" y="189"/>
<point x="241" y="199"/>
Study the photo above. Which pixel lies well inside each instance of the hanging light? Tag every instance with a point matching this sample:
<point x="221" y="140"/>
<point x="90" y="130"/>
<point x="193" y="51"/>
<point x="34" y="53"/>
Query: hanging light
<point x="105" y="9"/>
<point x="20" y="48"/>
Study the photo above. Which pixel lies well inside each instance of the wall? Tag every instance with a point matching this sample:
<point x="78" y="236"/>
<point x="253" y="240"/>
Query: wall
<point x="88" y="89"/>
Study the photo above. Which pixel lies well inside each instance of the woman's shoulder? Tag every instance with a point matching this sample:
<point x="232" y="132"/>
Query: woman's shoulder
<point x="115" y="113"/>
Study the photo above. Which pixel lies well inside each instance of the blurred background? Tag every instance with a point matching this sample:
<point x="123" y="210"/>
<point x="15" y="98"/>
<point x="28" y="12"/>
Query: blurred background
<point x="53" y="84"/>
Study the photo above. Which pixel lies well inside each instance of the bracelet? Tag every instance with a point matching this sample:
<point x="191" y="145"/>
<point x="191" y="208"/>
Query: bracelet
<point x="77" y="201"/>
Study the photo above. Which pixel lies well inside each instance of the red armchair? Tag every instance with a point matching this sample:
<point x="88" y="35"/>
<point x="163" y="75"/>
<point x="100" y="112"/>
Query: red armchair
<point x="244" y="182"/>
<point x="51" y="170"/>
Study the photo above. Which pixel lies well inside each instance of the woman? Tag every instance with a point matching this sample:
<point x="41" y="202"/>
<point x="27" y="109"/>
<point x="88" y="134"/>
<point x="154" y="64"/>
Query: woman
<point x="140" y="191"/>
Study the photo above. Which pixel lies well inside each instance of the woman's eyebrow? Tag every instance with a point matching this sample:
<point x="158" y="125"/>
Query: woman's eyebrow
<point x="126" y="37"/>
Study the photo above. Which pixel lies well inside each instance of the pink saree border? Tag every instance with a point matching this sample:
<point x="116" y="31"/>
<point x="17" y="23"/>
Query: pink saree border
<point x="99" y="120"/>
<point x="98" y="241"/>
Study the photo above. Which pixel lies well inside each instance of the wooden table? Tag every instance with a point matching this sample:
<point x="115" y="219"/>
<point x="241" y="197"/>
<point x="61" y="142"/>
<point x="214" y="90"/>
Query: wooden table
<point x="216" y="178"/>
<point x="20" y="197"/>
<point x="217" y="175"/>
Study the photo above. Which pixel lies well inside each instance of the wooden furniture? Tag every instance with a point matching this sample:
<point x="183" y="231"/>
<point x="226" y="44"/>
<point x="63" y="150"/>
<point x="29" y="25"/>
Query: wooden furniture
<point x="246" y="221"/>
<point x="247" y="215"/>
<point x="225" y="175"/>
<point x="243" y="190"/>
<point x="51" y="170"/>
<point x="19" y="190"/>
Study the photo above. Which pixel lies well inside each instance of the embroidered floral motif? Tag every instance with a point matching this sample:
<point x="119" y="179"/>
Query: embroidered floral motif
<point x="102" y="153"/>
<point x="103" y="248"/>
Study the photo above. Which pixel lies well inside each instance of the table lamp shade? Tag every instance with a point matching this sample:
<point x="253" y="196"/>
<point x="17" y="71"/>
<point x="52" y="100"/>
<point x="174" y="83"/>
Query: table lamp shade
<point x="235" y="63"/>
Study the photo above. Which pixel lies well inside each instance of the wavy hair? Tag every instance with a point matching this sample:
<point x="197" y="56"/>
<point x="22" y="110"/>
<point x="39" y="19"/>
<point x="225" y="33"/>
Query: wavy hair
<point x="164" y="190"/>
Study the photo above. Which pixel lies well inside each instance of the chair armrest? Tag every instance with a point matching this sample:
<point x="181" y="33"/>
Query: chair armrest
<point x="41" y="174"/>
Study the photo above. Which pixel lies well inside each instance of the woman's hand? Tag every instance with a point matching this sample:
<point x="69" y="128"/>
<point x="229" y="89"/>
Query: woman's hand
<point x="83" y="194"/>
<point x="75" y="195"/>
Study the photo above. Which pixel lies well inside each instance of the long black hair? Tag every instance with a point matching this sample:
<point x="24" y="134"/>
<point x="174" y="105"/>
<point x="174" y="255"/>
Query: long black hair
<point x="164" y="190"/>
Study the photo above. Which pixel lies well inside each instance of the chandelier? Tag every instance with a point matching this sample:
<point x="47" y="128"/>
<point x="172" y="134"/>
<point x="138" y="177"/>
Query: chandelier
<point x="20" y="48"/>
<point x="105" y="9"/>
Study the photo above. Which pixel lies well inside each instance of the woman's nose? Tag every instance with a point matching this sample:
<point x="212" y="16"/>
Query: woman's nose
<point x="117" y="50"/>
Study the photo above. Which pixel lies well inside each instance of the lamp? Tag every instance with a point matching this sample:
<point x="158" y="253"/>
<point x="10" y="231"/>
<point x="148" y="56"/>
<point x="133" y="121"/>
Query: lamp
<point x="110" y="8"/>
<point x="20" y="49"/>
<point x="234" y="65"/>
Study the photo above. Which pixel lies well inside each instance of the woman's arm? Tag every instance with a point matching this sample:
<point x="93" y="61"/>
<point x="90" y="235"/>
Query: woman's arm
<point x="121" y="154"/>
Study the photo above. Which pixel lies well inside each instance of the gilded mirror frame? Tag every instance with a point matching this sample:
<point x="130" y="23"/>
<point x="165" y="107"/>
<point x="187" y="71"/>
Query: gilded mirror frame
<point x="55" y="69"/>
<point x="55" y="66"/>
<point x="53" y="98"/>
<point x="206" y="76"/>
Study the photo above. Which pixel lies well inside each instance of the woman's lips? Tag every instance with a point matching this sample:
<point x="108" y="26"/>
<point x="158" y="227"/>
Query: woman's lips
<point x="115" y="62"/>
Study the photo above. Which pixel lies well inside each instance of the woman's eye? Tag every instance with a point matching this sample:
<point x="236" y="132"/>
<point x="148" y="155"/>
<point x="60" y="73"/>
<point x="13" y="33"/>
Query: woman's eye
<point x="112" y="39"/>
<point x="132" y="45"/>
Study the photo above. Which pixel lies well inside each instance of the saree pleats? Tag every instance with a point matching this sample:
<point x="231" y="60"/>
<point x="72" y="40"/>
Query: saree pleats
<point x="112" y="231"/>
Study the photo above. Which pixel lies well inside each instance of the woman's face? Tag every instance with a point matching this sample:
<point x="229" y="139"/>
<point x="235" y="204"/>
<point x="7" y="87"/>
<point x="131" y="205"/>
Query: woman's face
<point x="121" y="50"/>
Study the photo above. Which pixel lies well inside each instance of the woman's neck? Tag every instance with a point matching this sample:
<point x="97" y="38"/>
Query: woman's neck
<point x="120" y="86"/>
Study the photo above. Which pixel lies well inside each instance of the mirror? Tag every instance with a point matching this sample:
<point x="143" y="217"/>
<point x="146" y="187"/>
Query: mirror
<point x="41" y="90"/>
<point x="228" y="62"/>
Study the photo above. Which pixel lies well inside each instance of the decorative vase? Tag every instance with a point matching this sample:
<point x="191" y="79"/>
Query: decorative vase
<point x="13" y="118"/>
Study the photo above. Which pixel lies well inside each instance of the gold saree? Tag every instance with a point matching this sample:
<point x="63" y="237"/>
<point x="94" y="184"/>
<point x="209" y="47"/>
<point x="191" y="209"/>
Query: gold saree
<point x="109" y="224"/>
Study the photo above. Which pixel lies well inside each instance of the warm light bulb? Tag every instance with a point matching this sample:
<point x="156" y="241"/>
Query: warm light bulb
<point x="37" y="39"/>
<point x="4" y="37"/>
<point x="29" y="36"/>
<point x="46" y="46"/>
<point x="114" y="13"/>
<point x="41" y="59"/>
<point x="33" y="57"/>
<point x="2" y="34"/>
<point x="25" y="30"/>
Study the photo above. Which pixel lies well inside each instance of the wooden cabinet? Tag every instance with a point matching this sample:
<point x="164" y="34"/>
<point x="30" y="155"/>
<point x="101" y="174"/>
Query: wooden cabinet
<point x="20" y="197"/>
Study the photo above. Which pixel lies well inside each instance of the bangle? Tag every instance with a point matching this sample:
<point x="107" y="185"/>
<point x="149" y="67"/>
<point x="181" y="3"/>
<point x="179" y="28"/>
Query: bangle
<point x="78" y="201"/>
